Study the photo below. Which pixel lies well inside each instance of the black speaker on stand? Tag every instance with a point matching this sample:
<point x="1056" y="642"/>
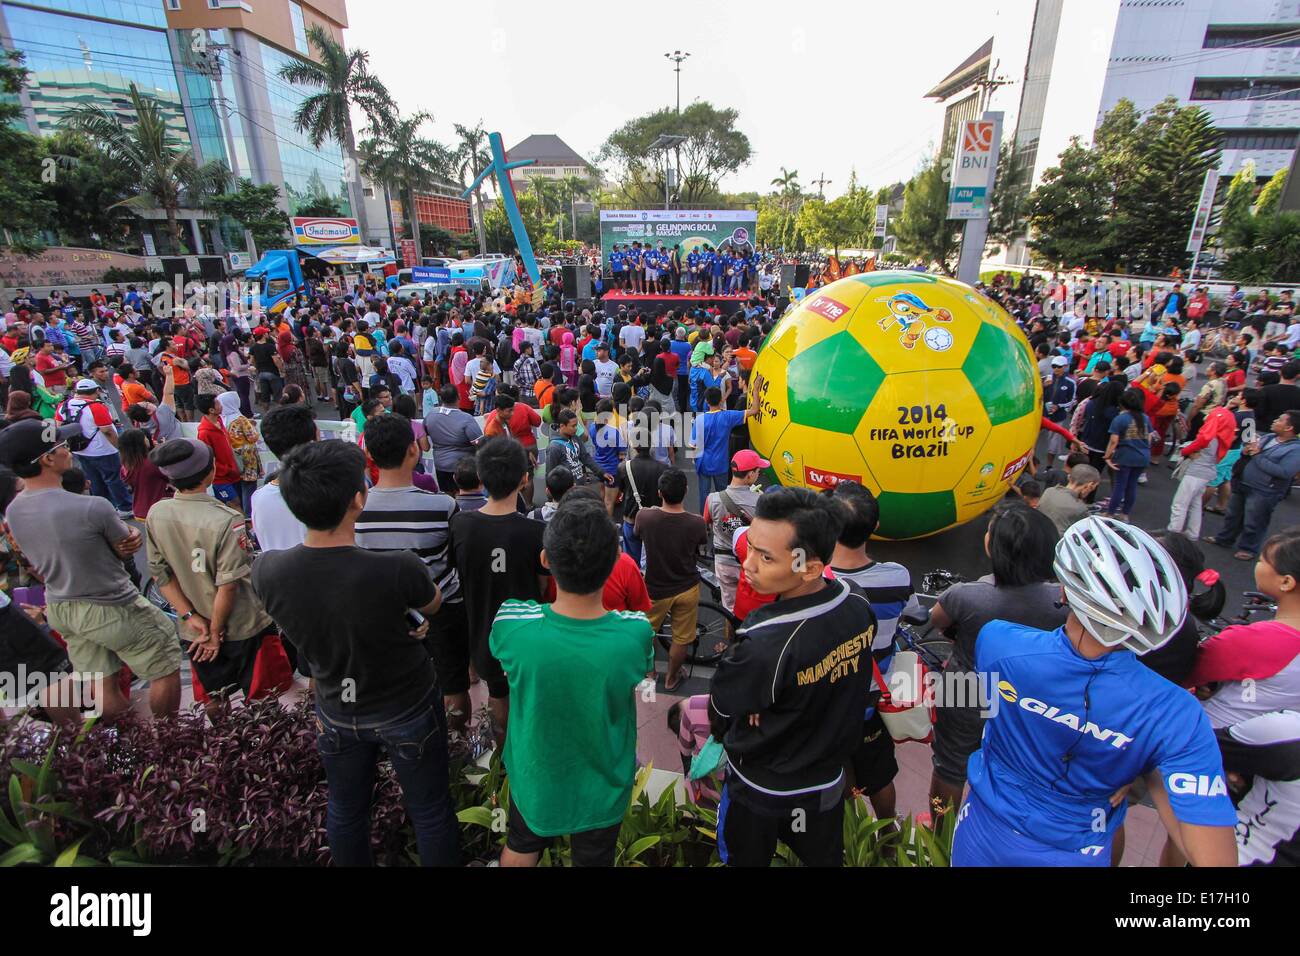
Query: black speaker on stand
<point x="577" y="282"/>
<point x="802" y="273"/>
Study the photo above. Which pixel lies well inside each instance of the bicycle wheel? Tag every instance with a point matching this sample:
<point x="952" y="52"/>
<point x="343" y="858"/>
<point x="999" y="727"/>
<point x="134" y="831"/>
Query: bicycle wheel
<point x="713" y="634"/>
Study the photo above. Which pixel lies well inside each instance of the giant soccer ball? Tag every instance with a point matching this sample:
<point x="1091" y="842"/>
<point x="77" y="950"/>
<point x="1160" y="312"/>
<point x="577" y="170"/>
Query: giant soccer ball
<point x="917" y="386"/>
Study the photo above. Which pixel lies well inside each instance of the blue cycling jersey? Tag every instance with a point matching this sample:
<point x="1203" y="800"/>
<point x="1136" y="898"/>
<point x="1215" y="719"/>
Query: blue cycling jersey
<point x="1070" y="731"/>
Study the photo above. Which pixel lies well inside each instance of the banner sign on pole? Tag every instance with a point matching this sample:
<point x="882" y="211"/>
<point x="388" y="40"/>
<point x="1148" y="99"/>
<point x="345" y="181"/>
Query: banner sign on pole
<point x="431" y="274"/>
<point x="408" y="253"/>
<point x="882" y="220"/>
<point x="1204" y="207"/>
<point x="972" y="170"/>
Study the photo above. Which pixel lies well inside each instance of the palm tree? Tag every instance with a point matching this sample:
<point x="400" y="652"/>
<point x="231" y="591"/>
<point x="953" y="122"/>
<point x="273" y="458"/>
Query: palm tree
<point x="166" y="173"/>
<point x="571" y="187"/>
<point x="398" y="156"/>
<point x="788" y="184"/>
<point x="343" y="79"/>
<point x="471" y="158"/>
<point x="550" y="200"/>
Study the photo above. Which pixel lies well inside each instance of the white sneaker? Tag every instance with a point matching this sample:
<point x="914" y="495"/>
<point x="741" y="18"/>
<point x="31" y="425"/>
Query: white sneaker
<point x="1142" y="479"/>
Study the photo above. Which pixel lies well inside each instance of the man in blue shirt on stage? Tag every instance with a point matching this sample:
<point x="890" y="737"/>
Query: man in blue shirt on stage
<point x="693" y="270"/>
<point x="616" y="266"/>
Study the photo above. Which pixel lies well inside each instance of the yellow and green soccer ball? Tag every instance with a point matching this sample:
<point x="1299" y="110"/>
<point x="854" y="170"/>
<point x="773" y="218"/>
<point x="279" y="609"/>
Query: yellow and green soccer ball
<point x="917" y="386"/>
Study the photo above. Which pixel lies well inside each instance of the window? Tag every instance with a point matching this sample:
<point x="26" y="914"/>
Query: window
<point x="173" y="4"/>
<point x="1259" y="138"/>
<point x="299" y="28"/>
<point x="1261" y="35"/>
<point x="1245" y="88"/>
<point x="368" y="192"/>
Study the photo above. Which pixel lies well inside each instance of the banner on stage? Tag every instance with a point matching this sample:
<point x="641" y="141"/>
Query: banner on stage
<point x="688" y="228"/>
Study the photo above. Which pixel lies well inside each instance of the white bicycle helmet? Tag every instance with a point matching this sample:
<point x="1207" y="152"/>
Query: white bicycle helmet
<point x="1122" y="586"/>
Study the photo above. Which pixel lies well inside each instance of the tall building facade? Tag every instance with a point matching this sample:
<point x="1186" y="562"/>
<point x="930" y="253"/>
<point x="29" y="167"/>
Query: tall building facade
<point x="1239" y="60"/>
<point x="213" y="66"/>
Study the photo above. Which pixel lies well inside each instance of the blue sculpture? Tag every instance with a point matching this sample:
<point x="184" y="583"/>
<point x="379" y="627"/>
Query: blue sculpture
<point x="502" y="169"/>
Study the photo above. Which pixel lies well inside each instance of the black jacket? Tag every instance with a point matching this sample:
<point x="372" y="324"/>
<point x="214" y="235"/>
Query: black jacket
<point x="804" y="666"/>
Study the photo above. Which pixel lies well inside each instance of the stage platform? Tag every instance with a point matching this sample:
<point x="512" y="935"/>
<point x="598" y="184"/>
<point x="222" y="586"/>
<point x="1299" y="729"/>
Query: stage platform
<point x="658" y="304"/>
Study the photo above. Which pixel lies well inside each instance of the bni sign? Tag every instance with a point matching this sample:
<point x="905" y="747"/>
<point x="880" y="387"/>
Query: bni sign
<point x="972" y="170"/>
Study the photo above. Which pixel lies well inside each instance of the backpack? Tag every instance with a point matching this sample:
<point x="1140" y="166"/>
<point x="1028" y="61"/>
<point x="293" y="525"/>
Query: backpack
<point x="734" y="519"/>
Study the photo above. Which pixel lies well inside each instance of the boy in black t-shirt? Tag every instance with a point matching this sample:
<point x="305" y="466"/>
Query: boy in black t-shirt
<point x="497" y="553"/>
<point x="346" y="610"/>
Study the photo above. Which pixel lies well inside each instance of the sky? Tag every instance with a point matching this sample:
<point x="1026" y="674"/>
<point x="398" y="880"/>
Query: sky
<point x="821" y="87"/>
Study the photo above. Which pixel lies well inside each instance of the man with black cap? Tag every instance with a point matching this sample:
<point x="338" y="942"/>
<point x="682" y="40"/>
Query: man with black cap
<point x="201" y="559"/>
<point x="76" y="544"/>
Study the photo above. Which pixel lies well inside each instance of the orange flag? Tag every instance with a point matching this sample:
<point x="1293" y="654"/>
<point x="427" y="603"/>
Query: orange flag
<point x="869" y="265"/>
<point x="833" y="268"/>
<point x="850" y="270"/>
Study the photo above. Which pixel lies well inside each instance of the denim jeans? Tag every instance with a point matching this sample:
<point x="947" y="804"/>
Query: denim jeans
<point x="631" y="543"/>
<point x="1125" y="493"/>
<point x="104" y="472"/>
<point x="1246" y="521"/>
<point x="710" y="484"/>
<point x="416" y="742"/>
<point x="269" y="382"/>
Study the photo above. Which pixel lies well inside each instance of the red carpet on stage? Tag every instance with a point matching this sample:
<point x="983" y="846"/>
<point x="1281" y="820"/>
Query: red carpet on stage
<point x="621" y="296"/>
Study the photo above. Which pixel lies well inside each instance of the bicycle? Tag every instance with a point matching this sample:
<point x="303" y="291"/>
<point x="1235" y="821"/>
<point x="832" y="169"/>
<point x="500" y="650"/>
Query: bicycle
<point x="715" y="626"/>
<point x="1254" y="603"/>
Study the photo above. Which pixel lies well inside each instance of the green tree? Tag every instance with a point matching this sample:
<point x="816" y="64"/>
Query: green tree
<point x="824" y="223"/>
<point x="164" y="174"/>
<point x="324" y="206"/>
<point x="470" y="157"/>
<point x="788" y="190"/>
<point x="257" y="209"/>
<point x="571" y="187"/>
<point x="1009" y="204"/>
<point x="1268" y="250"/>
<point x="1070" y="209"/>
<point x="1270" y="197"/>
<point x="714" y="148"/>
<point x="923" y="230"/>
<point x="85" y="192"/>
<point x="343" y="80"/>
<point x="27" y="208"/>
<point x="1237" y="206"/>
<point x="399" y="156"/>
<point x="1166" y="191"/>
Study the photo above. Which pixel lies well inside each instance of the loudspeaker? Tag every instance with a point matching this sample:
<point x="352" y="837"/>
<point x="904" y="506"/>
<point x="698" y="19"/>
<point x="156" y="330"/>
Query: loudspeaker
<point x="577" y="282"/>
<point x="802" y="273"/>
<point x="787" y="276"/>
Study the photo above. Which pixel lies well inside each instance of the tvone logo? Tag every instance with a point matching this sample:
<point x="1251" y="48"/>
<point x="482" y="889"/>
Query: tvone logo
<point x="818" y="478"/>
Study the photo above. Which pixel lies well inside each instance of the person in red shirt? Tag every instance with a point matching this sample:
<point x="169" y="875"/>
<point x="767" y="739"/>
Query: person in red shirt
<point x="625" y="588"/>
<point x="212" y="432"/>
<point x="53" y="368"/>
<point x="747" y="599"/>
<point x="517" y="420"/>
<point x="1236" y="377"/>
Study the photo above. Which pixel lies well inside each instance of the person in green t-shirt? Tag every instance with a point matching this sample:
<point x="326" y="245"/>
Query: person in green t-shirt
<point x="381" y="404"/>
<point x="573" y="668"/>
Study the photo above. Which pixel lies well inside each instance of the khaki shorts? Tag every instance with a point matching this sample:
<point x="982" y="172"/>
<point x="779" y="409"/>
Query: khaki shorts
<point x="684" y="609"/>
<point x="103" y="637"/>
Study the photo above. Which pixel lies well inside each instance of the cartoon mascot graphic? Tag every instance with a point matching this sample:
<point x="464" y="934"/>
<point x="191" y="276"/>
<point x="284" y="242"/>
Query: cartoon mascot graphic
<point x="910" y="312"/>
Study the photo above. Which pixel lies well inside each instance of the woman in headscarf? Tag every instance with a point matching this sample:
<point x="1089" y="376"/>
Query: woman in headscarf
<point x="242" y="432"/>
<point x="19" y="407"/>
<point x="569" y="360"/>
<point x="295" y="364"/>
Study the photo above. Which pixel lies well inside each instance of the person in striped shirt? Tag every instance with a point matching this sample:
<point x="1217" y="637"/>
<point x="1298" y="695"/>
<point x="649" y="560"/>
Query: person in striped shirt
<point x="888" y="587"/>
<point x="398" y="516"/>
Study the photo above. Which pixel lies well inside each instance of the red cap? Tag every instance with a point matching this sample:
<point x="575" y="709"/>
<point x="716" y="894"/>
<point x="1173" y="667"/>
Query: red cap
<point x="748" y="460"/>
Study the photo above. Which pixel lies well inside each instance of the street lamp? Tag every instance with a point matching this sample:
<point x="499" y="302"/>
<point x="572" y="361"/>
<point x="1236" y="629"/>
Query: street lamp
<point x="677" y="56"/>
<point x="663" y="143"/>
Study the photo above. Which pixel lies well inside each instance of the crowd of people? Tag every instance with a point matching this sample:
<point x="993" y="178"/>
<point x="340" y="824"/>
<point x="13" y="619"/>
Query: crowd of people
<point x="188" y="451"/>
